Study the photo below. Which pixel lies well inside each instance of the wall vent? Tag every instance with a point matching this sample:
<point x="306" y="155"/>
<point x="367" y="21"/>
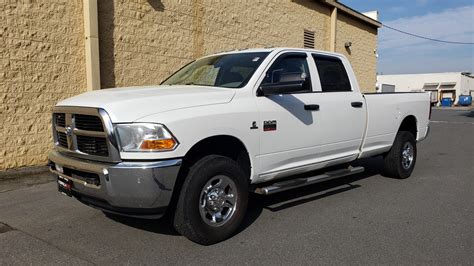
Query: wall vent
<point x="308" y="39"/>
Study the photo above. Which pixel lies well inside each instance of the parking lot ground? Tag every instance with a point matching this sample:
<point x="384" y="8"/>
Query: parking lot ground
<point x="362" y="219"/>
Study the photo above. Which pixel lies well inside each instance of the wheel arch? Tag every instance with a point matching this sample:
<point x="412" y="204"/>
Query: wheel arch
<point x="409" y="123"/>
<point x="225" y="145"/>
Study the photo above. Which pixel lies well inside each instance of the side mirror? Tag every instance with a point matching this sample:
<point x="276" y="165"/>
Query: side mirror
<point x="280" y="88"/>
<point x="289" y="82"/>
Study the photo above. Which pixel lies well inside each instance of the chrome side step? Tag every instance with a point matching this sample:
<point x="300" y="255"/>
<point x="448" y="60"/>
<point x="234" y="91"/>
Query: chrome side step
<point x="305" y="181"/>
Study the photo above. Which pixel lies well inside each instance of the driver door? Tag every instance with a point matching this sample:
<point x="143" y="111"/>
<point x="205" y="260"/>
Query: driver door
<point x="290" y="135"/>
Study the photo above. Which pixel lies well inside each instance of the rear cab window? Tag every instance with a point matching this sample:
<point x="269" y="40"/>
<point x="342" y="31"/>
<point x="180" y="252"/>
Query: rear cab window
<point x="332" y="74"/>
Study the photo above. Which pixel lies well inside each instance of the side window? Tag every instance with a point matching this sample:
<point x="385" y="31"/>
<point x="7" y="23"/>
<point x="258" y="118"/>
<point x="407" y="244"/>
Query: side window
<point x="289" y="69"/>
<point x="332" y="74"/>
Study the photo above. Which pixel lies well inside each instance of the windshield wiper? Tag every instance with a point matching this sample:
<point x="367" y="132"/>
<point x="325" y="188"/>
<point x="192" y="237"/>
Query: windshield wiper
<point x="197" y="84"/>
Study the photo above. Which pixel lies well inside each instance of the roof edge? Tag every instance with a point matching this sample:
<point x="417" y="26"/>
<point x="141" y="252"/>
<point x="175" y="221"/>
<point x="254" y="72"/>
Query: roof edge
<point x="352" y="12"/>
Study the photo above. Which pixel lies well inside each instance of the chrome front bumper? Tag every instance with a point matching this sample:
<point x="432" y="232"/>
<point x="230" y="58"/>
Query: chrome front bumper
<point x="138" y="189"/>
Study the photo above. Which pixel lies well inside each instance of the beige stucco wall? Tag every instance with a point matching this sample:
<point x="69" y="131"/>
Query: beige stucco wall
<point x="41" y="62"/>
<point x="362" y="53"/>
<point x="141" y="42"/>
<point x="151" y="41"/>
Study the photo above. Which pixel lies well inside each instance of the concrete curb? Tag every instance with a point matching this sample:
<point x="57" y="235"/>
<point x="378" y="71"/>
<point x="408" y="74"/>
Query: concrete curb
<point x="24" y="177"/>
<point x="23" y="172"/>
<point x="456" y="108"/>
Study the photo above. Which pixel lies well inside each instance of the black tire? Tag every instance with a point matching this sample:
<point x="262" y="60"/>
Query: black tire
<point x="394" y="165"/>
<point x="188" y="220"/>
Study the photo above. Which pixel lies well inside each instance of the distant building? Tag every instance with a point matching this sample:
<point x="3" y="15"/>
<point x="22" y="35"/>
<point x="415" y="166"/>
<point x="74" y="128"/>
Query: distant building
<point x="441" y="85"/>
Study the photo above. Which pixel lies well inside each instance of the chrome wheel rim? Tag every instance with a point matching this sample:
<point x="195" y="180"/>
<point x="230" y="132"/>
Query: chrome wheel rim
<point x="218" y="200"/>
<point x="408" y="155"/>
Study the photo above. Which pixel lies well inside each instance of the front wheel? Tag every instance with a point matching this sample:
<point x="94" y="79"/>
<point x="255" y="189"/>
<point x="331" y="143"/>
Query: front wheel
<point x="212" y="201"/>
<point x="400" y="160"/>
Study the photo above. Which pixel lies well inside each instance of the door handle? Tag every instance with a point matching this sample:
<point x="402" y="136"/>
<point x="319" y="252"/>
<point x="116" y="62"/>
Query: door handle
<point x="311" y="107"/>
<point x="356" y="104"/>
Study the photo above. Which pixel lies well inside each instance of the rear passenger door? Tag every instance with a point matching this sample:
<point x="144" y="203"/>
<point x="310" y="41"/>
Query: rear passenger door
<point x="343" y="110"/>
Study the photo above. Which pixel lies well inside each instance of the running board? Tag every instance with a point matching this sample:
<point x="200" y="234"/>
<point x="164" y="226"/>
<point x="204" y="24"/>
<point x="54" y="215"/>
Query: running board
<point x="300" y="182"/>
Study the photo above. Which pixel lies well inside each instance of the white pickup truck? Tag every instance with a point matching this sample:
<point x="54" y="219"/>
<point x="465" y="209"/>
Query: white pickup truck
<point x="226" y="125"/>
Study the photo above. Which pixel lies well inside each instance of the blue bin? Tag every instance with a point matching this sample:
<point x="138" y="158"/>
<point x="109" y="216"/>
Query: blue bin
<point x="447" y="102"/>
<point x="465" y="100"/>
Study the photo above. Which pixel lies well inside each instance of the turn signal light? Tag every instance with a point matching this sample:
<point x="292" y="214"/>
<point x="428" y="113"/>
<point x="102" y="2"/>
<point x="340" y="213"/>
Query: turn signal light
<point x="158" y="144"/>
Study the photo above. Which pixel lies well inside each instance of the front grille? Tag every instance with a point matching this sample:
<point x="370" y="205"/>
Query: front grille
<point x="88" y="122"/>
<point x="92" y="145"/>
<point x="60" y="120"/>
<point x="62" y="139"/>
<point x="81" y="132"/>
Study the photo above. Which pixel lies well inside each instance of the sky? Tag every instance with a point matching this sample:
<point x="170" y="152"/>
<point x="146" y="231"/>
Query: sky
<point x="450" y="20"/>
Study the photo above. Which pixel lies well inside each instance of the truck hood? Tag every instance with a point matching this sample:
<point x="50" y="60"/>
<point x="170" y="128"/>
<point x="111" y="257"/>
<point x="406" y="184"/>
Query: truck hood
<point x="132" y="103"/>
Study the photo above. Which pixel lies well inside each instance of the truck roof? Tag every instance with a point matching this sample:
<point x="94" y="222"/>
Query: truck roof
<point x="274" y="49"/>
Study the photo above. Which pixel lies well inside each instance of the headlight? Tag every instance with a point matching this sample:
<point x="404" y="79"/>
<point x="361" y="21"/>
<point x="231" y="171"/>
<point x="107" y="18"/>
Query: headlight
<point x="145" y="137"/>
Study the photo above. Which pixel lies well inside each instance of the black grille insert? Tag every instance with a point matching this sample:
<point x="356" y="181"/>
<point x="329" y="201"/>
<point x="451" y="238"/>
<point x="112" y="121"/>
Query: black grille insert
<point x="92" y="145"/>
<point x="60" y="120"/>
<point x="62" y="139"/>
<point x="90" y="178"/>
<point x="88" y="122"/>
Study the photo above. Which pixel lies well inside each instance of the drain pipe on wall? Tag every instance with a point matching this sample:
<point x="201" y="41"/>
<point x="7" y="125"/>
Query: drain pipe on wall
<point x="91" y="35"/>
<point x="332" y="38"/>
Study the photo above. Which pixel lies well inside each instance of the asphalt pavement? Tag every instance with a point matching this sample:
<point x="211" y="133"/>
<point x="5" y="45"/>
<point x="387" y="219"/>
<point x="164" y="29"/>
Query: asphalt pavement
<point x="362" y="219"/>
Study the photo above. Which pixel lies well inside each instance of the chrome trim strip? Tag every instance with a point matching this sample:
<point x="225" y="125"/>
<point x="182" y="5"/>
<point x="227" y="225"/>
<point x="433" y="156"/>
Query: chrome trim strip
<point x="300" y="182"/>
<point x="61" y="129"/>
<point x="147" y="165"/>
<point x="89" y="133"/>
<point x="112" y="143"/>
<point x="70" y="139"/>
<point x="291" y="170"/>
<point x="75" y="180"/>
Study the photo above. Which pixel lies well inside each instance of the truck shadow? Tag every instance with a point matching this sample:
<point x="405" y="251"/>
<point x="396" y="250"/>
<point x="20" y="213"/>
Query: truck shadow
<point x="299" y="196"/>
<point x="163" y="225"/>
<point x="273" y="203"/>
<point x="294" y="106"/>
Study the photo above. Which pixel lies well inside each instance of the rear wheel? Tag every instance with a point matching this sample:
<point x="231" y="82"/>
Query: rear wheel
<point x="212" y="201"/>
<point x="400" y="160"/>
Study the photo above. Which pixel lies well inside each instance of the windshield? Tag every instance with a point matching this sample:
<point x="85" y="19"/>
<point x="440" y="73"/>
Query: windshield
<point x="228" y="70"/>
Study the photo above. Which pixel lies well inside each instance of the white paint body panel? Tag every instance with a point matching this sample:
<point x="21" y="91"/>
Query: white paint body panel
<point x="303" y="141"/>
<point x="386" y="113"/>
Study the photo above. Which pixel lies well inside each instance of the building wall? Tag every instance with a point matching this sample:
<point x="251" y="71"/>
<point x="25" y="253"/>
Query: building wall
<point x="467" y="85"/>
<point x="362" y="53"/>
<point x="149" y="41"/>
<point x="415" y="82"/>
<point x="144" y="41"/>
<point x="263" y="23"/>
<point x="141" y="42"/>
<point x="41" y="62"/>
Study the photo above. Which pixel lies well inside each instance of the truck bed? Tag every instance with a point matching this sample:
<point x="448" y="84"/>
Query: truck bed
<point x="385" y="112"/>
